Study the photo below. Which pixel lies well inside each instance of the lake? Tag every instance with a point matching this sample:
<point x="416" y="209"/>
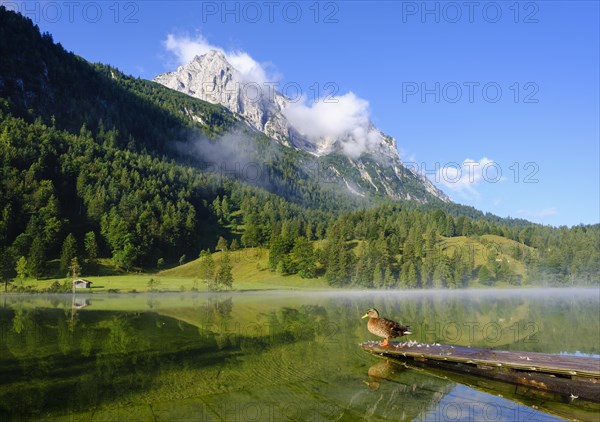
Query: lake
<point x="278" y="356"/>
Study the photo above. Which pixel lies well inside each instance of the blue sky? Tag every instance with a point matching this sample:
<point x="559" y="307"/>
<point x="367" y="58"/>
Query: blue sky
<point x="497" y="102"/>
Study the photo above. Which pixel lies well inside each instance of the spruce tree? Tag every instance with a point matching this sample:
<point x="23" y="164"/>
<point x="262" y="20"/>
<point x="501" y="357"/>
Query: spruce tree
<point x="378" y="276"/>
<point x="222" y="244"/>
<point x="388" y="279"/>
<point x="441" y="274"/>
<point x="36" y="261"/>
<point x="91" y="247"/>
<point x="304" y="258"/>
<point x="69" y="251"/>
<point x="411" y="276"/>
<point x="225" y="211"/>
<point x="485" y="277"/>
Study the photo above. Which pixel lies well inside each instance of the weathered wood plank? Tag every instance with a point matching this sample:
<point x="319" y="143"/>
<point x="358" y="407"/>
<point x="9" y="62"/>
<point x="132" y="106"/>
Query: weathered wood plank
<point x="526" y="361"/>
<point x="566" y="375"/>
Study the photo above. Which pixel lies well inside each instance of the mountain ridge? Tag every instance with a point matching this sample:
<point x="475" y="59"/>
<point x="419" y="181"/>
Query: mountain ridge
<point x="91" y="160"/>
<point x="210" y="77"/>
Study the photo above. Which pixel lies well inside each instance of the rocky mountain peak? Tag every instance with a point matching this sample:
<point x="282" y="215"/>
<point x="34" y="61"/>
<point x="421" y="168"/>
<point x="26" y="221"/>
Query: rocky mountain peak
<point x="211" y="77"/>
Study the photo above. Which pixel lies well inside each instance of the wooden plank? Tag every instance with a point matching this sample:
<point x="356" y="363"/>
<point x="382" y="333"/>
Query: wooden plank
<point x="572" y="366"/>
<point x="571" y="376"/>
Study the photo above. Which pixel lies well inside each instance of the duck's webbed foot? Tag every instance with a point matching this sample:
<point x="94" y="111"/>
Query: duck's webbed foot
<point x="384" y="342"/>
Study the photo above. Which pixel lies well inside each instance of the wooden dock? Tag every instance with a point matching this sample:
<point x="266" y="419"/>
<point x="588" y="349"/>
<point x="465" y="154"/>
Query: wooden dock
<point x="571" y="376"/>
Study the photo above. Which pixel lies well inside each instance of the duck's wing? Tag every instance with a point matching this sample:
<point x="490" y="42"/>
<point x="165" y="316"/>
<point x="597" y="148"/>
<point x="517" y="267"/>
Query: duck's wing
<point x="395" y="327"/>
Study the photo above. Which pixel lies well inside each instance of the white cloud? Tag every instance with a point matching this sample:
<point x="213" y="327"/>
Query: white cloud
<point x="463" y="178"/>
<point x="344" y="118"/>
<point x="184" y="48"/>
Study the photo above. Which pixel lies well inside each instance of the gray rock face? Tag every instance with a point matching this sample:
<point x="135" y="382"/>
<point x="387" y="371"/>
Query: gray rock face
<point x="210" y="77"/>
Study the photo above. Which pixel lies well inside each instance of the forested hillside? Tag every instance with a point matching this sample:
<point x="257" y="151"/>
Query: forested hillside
<point x="96" y="164"/>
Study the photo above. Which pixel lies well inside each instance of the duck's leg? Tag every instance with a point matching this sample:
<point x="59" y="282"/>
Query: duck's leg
<point x="384" y="342"/>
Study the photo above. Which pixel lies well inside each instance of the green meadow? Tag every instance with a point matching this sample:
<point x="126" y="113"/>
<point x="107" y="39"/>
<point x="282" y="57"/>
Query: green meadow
<point x="250" y="271"/>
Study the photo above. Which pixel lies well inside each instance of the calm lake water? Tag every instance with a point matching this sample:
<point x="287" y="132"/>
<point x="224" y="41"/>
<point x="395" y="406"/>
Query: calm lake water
<point x="278" y="356"/>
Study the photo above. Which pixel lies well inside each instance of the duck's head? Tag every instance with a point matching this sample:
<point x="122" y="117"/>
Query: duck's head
<point x="371" y="313"/>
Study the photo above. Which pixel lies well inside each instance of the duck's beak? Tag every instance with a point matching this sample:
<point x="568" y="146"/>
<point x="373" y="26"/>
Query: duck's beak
<point x="365" y="315"/>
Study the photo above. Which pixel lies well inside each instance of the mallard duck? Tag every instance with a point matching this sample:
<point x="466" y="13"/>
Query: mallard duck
<point x="385" y="328"/>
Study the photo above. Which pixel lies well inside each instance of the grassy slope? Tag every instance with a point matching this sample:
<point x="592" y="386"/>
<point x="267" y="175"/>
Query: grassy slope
<point x="250" y="269"/>
<point x="250" y="272"/>
<point x="488" y="244"/>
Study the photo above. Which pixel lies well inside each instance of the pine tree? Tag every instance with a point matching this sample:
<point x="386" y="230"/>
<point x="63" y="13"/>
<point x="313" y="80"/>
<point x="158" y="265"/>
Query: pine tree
<point x="216" y="205"/>
<point x="308" y="231"/>
<point x="346" y="264"/>
<point x="36" y="260"/>
<point x="5" y="267"/>
<point x="69" y="251"/>
<point x="484" y="276"/>
<point x="467" y="228"/>
<point x="320" y="231"/>
<point x="430" y="242"/>
<point x="304" y="258"/>
<point x="409" y="274"/>
<point x="91" y="247"/>
<point x="252" y="235"/>
<point x="276" y="252"/>
<point x="332" y="260"/>
<point x="225" y="211"/>
<point x="427" y="270"/>
<point x="388" y="279"/>
<point x="126" y="257"/>
<point x="378" y="277"/>
<point x="441" y="275"/>
<point x="449" y="228"/>
<point x="364" y="270"/>
<point x="222" y="244"/>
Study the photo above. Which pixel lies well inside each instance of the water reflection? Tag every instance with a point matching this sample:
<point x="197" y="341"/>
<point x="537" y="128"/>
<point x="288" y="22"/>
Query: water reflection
<point x="381" y="371"/>
<point x="263" y="356"/>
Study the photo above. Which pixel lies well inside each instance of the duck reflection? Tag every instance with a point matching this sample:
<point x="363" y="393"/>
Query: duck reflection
<point x="383" y="370"/>
<point x="396" y="392"/>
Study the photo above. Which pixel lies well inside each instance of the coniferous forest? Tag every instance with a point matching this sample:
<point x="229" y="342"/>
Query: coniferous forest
<point x="97" y="165"/>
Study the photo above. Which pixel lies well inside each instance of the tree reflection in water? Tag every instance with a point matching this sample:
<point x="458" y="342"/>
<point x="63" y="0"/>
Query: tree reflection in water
<point x="249" y="355"/>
